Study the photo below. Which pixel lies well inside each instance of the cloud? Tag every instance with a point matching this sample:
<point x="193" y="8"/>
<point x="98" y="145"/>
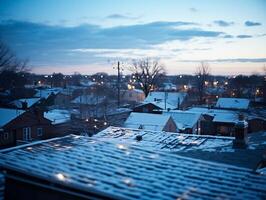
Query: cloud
<point x="43" y="43"/>
<point x="193" y="9"/>
<point x="244" y="36"/>
<point x="250" y="23"/>
<point x="121" y="17"/>
<point x="228" y="36"/>
<point x="223" y="23"/>
<point x="243" y="60"/>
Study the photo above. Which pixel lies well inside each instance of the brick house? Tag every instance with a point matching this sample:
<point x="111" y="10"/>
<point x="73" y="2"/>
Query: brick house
<point x="25" y="127"/>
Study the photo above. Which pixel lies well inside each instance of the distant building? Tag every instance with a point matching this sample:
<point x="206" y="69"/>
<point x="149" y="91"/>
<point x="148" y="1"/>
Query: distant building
<point x="156" y="101"/>
<point x="233" y="103"/>
<point x="132" y="95"/>
<point x="166" y="100"/>
<point x="186" y="122"/>
<point x="148" y="121"/>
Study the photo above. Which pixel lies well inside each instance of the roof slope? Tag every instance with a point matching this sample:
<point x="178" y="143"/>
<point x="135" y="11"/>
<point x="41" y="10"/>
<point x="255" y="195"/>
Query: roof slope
<point x="219" y="115"/>
<point x="233" y="103"/>
<point x="206" y="147"/>
<point x="128" y="172"/>
<point x="146" y="121"/>
<point x="58" y="116"/>
<point x="184" y="119"/>
<point x="172" y="99"/>
<point x="6" y="115"/>
<point x="30" y="102"/>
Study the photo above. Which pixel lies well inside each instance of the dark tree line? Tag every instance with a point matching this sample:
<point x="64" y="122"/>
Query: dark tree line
<point x="13" y="70"/>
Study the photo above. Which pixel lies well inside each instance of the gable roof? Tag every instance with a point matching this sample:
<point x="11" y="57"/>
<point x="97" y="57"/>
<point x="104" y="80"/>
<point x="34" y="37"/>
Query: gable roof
<point x="90" y="166"/>
<point x="146" y="121"/>
<point x="184" y="119"/>
<point x="172" y="99"/>
<point x="7" y="115"/>
<point x="233" y="103"/>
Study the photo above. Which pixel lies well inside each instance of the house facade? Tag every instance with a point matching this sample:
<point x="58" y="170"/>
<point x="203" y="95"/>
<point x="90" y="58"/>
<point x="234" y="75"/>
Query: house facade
<point x="27" y="127"/>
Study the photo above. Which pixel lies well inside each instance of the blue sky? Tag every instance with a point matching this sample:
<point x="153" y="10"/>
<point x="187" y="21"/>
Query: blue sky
<point x="88" y="36"/>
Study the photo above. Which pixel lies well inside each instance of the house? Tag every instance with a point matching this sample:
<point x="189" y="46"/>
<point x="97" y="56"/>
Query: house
<point x="24" y="127"/>
<point x="186" y="122"/>
<point x="7" y="115"/>
<point x="132" y="95"/>
<point x="88" y="99"/>
<point x="148" y="121"/>
<point x="166" y="100"/>
<point x="61" y="121"/>
<point x="256" y="123"/>
<point x="79" y="167"/>
<point x="89" y="105"/>
<point x="217" y="121"/>
<point x="233" y="103"/>
<point x="153" y="107"/>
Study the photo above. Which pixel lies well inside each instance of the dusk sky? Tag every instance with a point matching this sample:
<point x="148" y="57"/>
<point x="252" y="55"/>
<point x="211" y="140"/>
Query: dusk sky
<point x="88" y="36"/>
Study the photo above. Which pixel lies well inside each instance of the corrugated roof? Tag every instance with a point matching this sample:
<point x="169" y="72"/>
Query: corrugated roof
<point x="130" y="172"/>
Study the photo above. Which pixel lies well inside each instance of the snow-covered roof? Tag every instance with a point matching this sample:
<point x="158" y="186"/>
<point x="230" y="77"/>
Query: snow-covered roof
<point x="172" y="99"/>
<point x="226" y="116"/>
<point x="58" y="116"/>
<point x="30" y="102"/>
<point x="88" y="99"/>
<point x="6" y="115"/>
<point x="45" y="93"/>
<point x="110" y="170"/>
<point x="213" y="148"/>
<point x="165" y="141"/>
<point x="184" y="119"/>
<point x="146" y="121"/>
<point x="233" y="103"/>
<point x="87" y="83"/>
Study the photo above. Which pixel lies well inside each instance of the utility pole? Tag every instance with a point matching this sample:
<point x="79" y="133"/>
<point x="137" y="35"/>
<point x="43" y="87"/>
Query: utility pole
<point x="118" y="83"/>
<point x="119" y="70"/>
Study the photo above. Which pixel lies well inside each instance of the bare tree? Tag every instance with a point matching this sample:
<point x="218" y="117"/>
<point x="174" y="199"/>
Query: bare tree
<point x="147" y="73"/>
<point x="202" y="73"/>
<point x="10" y="62"/>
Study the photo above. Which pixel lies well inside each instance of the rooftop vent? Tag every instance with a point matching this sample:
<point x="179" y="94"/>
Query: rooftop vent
<point x="138" y="138"/>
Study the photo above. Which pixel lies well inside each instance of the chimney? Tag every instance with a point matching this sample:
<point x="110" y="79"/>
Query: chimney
<point x="241" y="130"/>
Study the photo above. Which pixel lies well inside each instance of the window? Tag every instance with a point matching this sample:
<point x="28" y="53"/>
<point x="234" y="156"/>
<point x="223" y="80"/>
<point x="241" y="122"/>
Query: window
<point x="6" y="136"/>
<point x="39" y="131"/>
<point x="26" y="133"/>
